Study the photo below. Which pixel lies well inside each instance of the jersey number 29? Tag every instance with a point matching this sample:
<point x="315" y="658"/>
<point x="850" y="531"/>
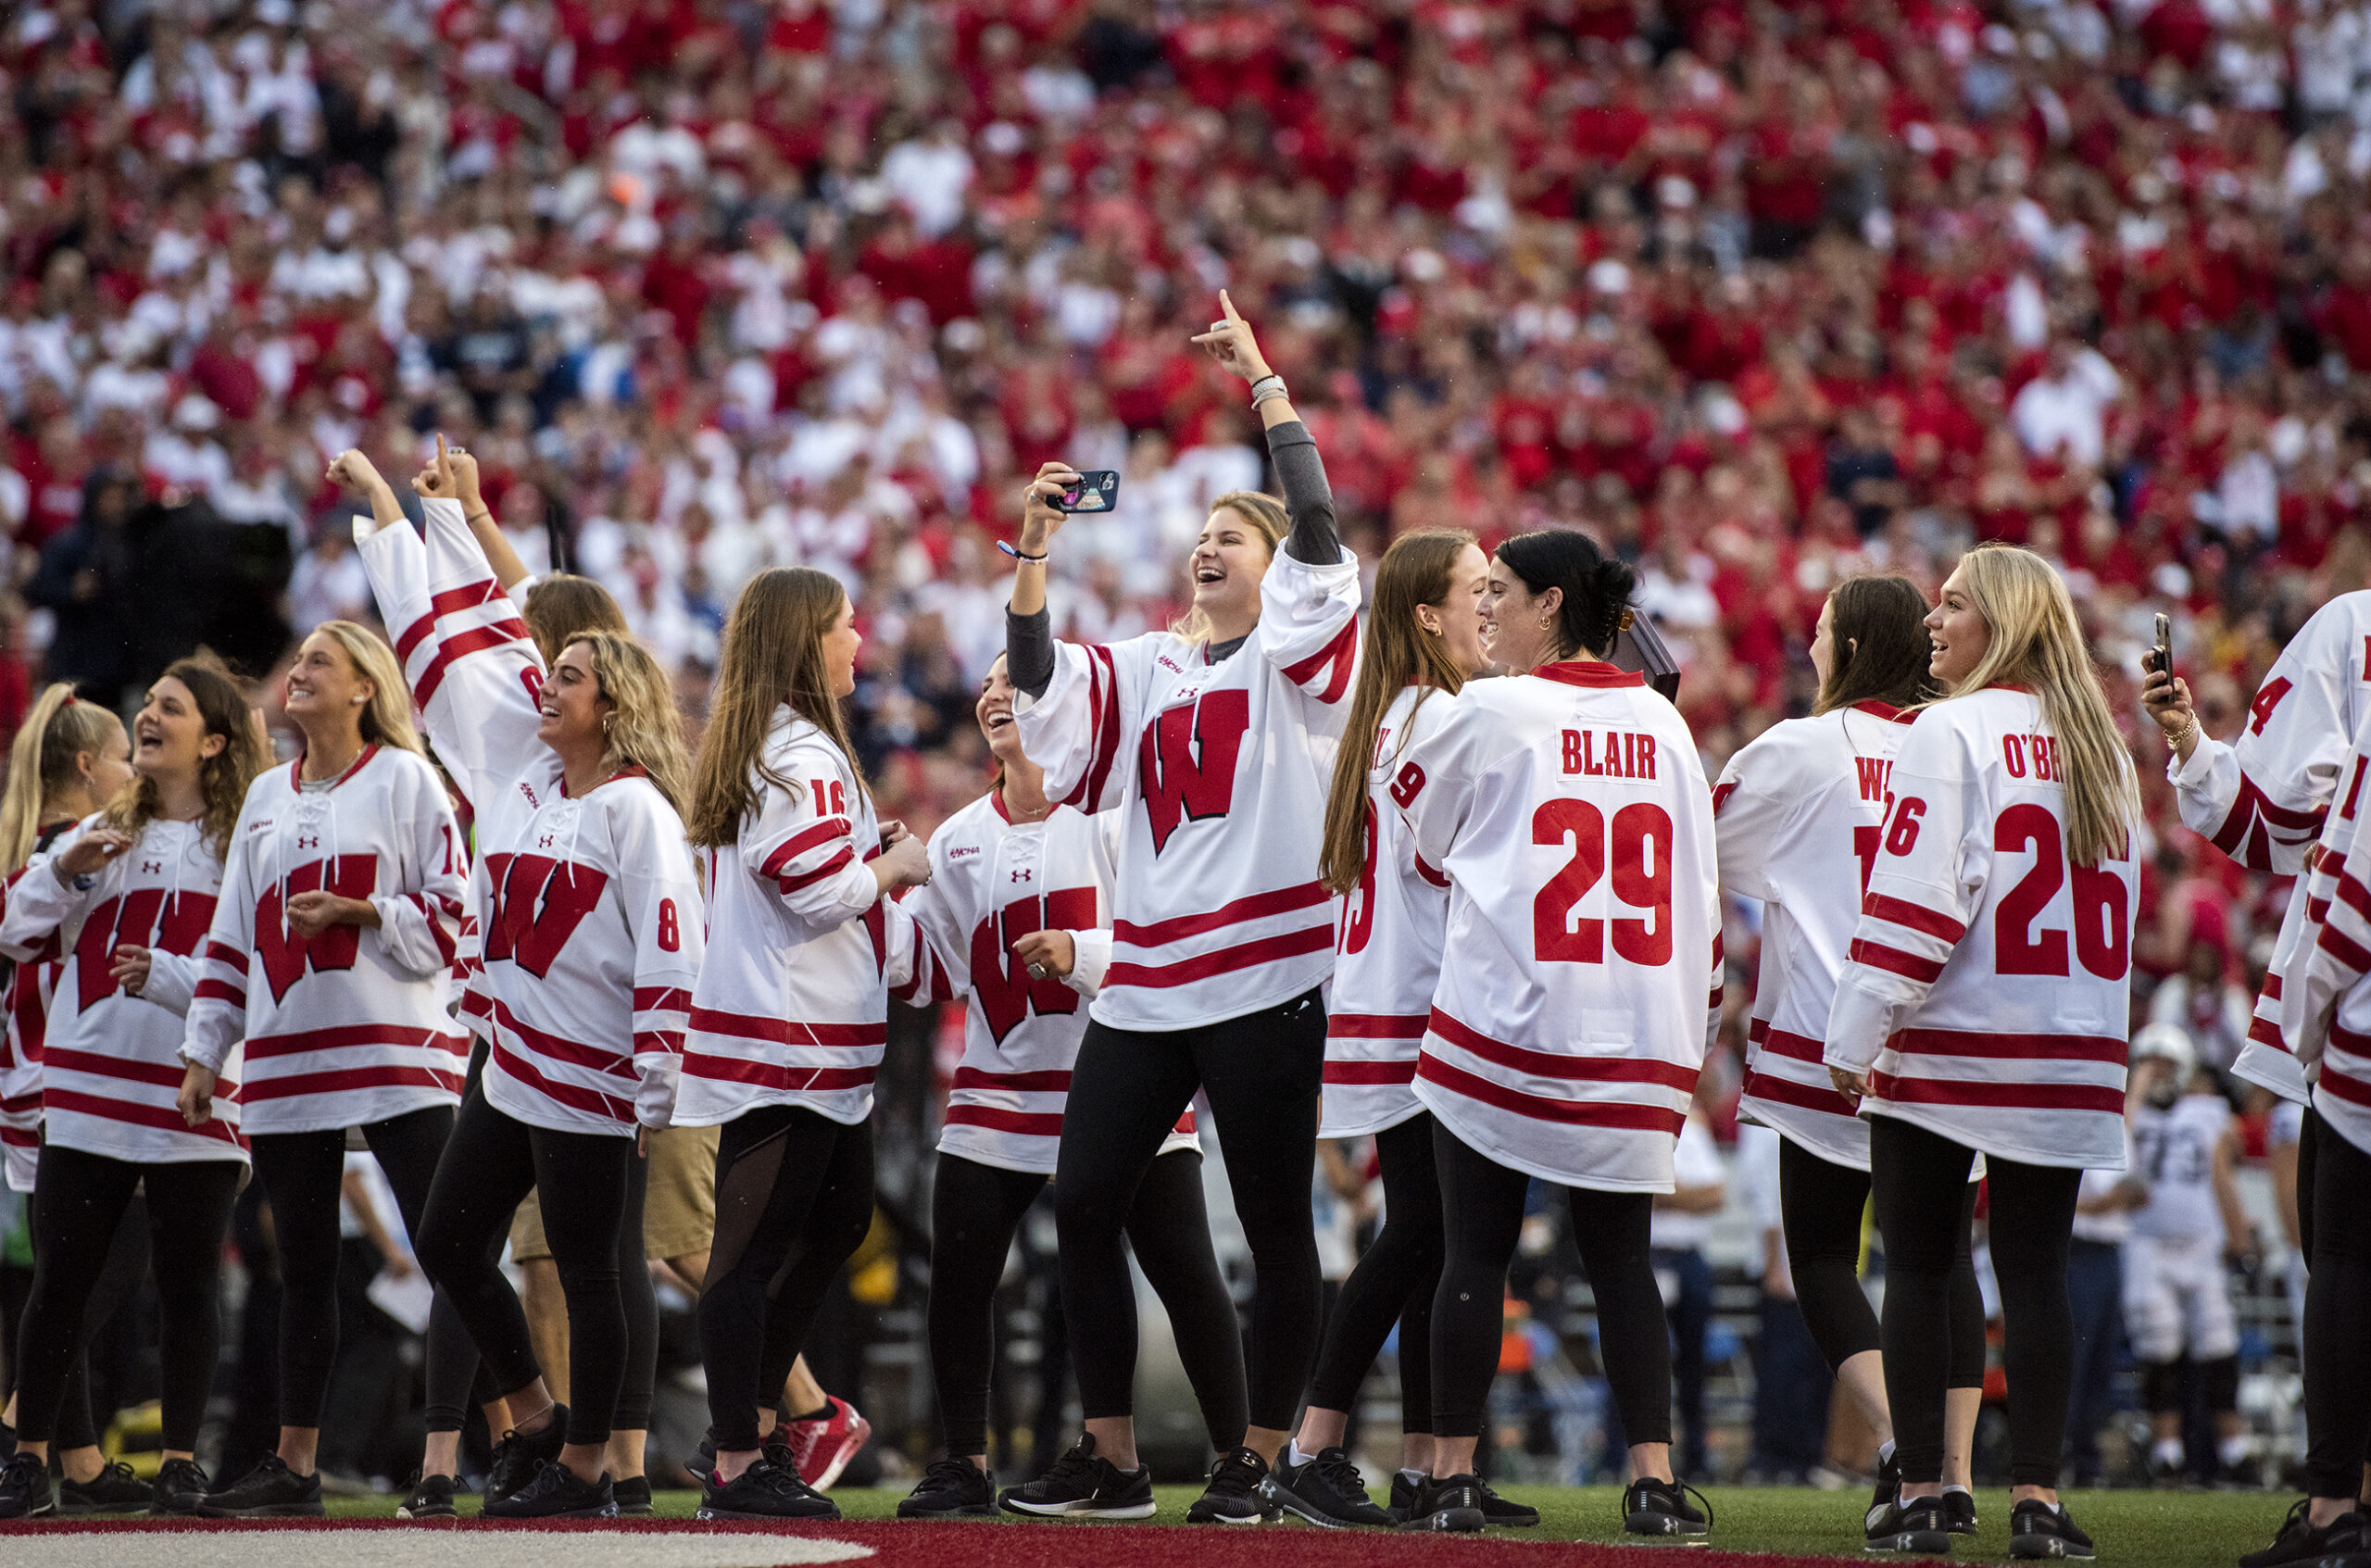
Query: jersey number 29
<point x="1636" y="854"/>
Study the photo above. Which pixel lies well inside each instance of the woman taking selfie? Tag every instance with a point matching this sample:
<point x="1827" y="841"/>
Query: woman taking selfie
<point x="1423" y="642"/>
<point x="1983" y="1009"/>
<point x="128" y="902"/>
<point x="1568" y="810"/>
<point x="1210" y="738"/>
<point x="1798" y="810"/>
<point x="330" y="944"/>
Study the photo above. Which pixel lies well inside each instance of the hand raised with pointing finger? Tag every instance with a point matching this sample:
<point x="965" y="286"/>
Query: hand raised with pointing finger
<point x="1231" y="344"/>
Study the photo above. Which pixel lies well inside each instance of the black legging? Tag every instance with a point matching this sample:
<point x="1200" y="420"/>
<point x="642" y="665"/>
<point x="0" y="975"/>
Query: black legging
<point x="1920" y="1181"/>
<point x="591" y="1187"/>
<point x="975" y="1210"/>
<point x="2338" y="1314"/>
<point x="1261" y="1072"/>
<point x="1482" y="1211"/>
<point x="126" y="1265"/>
<point x="1819" y="1203"/>
<point x="303" y="1174"/>
<point x="793" y="1201"/>
<point x="1395" y="1281"/>
<point x="79" y="1199"/>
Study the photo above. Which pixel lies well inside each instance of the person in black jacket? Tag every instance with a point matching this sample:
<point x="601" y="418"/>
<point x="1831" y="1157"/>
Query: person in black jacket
<point x="86" y="578"/>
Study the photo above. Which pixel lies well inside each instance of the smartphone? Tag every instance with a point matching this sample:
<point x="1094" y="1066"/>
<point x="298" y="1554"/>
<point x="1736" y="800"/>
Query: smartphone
<point x="2160" y="657"/>
<point x="1094" y="492"/>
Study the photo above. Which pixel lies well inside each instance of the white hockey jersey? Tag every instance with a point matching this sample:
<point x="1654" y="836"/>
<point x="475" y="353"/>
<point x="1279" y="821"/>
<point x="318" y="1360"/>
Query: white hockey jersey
<point x="1221" y="771"/>
<point x="994" y="881"/>
<point x="792" y="1004"/>
<point x="588" y="910"/>
<point x="1799" y="812"/>
<point x="24" y="1021"/>
<point x="1387" y="955"/>
<point x="1569" y="810"/>
<point x="348" y="1026"/>
<point x="2325" y="1002"/>
<point x="1986" y="992"/>
<point x="111" y="1066"/>
<point x="2173" y="1151"/>
<point x="2264" y="799"/>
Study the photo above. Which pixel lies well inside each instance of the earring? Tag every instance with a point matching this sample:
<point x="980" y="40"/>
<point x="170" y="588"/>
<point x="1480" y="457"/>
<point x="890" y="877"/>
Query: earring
<point x="608" y="720"/>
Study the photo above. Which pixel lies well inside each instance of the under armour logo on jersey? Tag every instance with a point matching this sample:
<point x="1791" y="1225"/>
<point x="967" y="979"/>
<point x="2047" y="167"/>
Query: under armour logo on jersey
<point x="1023" y="876"/>
<point x="304" y="842"/>
<point x="544" y="842"/>
<point x="151" y="868"/>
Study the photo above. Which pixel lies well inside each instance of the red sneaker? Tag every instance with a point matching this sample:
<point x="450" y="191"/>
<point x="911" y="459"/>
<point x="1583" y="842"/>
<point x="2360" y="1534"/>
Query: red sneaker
<point x="822" y="1449"/>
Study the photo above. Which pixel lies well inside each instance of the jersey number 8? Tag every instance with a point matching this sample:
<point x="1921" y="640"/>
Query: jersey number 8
<point x="1637" y="856"/>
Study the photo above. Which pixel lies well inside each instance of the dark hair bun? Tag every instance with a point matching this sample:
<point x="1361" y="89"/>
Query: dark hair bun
<point x="1597" y="587"/>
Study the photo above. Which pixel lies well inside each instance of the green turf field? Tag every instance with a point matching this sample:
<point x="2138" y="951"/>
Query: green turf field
<point x="2158" y="1529"/>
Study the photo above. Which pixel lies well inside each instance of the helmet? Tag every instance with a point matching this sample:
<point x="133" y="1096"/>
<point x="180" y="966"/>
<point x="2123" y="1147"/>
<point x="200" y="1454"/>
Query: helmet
<point x="2168" y="1042"/>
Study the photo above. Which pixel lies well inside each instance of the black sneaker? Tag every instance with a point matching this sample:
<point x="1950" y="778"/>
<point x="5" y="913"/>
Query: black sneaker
<point x="555" y="1493"/>
<point x="1889" y="1492"/>
<point x="430" y="1497"/>
<point x="1958" y="1513"/>
<point x="1082" y="1485"/>
<point x="633" y="1497"/>
<point x="2300" y="1542"/>
<point x="1502" y="1512"/>
<point x="1448" y="1503"/>
<point x="702" y="1464"/>
<point x="1922" y="1524"/>
<point x="765" y="1490"/>
<point x="2040" y="1529"/>
<point x="515" y="1457"/>
<point x="24" y="1488"/>
<point x="179" y="1491"/>
<point x="953" y="1488"/>
<point x="1660" y="1507"/>
<point x="1328" y="1490"/>
<point x="1403" y="1497"/>
<point x="270" y="1490"/>
<point x="1235" y="1495"/>
<point x="115" y="1489"/>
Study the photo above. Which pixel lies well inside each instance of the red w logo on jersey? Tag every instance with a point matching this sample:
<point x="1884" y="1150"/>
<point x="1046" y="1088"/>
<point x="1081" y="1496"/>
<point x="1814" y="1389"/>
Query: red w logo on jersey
<point x="1187" y="760"/>
<point x="133" y="921"/>
<point x="287" y="956"/>
<point x="538" y="904"/>
<point x="1001" y="981"/>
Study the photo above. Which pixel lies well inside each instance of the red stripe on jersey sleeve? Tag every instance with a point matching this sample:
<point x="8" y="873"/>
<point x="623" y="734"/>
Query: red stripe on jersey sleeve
<point x="1426" y="869"/>
<point x="1028" y="1124"/>
<point x="2008" y="1048"/>
<point x="1103" y="706"/>
<point x="1876" y="955"/>
<point x="1376" y="1026"/>
<point x="809" y="837"/>
<point x="1985" y="1096"/>
<point x="1570" y="1113"/>
<point x="832" y="867"/>
<point x="1371" y="1071"/>
<point x="460" y="645"/>
<point x="1257" y="906"/>
<point x="1052" y="1082"/>
<point x="213" y="990"/>
<point x="222" y="952"/>
<point x="1226" y="960"/>
<point x="1576" y="1069"/>
<point x="2265" y="1032"/>
<point x="661" y="998"/>
<point x="2345" y="949"/>
<point x="1342" y="652"/>
<point x="2271" y="992"/>
<point x="1914" y="917"/>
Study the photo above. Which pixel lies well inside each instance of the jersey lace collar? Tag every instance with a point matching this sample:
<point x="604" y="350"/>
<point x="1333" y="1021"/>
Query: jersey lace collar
<point x="297" y="769"/>
<point x="1591" y="672"/>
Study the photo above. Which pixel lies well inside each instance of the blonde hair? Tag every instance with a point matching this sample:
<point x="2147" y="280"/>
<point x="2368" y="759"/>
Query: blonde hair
<point x="645" y="729"/>
<point x="1419" y="568"/>
<point x="223" y="778"/>
<point x="773" y="654"/>
<point x="386" y="718"/>
<point x="2037" y="644"/>
<point x="44" y="760"/>
<point x="1263" y="513"/>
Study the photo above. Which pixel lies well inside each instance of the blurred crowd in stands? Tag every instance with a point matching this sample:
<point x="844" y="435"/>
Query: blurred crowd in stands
<point x="1758" y="294"/>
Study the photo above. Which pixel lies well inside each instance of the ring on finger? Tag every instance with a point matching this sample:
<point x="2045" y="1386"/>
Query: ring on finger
<point x="1037" y="971"/>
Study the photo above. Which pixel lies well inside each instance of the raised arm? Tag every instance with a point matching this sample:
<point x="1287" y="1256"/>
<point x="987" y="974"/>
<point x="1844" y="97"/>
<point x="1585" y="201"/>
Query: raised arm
<point x="1290" y="446"/>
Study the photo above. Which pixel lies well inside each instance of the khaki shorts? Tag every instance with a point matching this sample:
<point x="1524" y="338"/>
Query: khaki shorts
<point x="678" y="1211"/>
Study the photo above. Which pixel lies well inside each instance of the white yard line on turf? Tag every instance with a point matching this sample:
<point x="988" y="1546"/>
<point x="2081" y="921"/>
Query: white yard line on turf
<point x="417" y="1548"/>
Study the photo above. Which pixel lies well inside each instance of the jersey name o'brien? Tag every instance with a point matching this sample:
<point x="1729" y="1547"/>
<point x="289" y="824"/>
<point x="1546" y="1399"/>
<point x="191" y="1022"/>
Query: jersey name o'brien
<point x="1614" y="754"/>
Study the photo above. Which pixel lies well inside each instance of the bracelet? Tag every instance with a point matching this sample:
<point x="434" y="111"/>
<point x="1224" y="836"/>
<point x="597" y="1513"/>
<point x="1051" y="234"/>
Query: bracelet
<point x="473" y="517"/>
<point x="1020" y="555"/>
<point x="1267" y="388"/>
<point x="2173" y="743"/>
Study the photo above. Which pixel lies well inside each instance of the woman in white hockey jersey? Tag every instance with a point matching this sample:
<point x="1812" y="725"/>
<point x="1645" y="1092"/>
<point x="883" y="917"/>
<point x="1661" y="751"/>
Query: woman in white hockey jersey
<point x="128" y="903"/>
<point x="1798" y="810"/>
<point x="1015" y="919"/>
<point x="1983" y="1009"/>
<point x="791" y="1012"/>
<point x="1212" y="739"/>
<point x="1423" y="642"/>
<point x="328" y="957"/>
<point x="69" y="759"/>
<point x="590" y="937"/>
<point x="1568" y="809"/>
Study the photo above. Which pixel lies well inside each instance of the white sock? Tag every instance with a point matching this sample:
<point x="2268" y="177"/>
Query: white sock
<point x="1949" y="1487"/>
<point x="1885" y="1453"/>
<point x="1415" y="1477"/>
<point x="1293" y="1455"/>
<point x="2168" y="1451"/>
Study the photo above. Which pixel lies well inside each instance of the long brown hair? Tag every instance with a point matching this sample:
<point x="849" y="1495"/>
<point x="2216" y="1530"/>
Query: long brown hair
<point x="2037" y="644"/>
<point x="562" y="604"/>
<point x="1264" y="513"/>
<point x="645" y="729"/>
<point x="386" y="718"/>
<point x="223" y="778"/>
<point x="44" y="760"/>
<point x="1878" y="630"/>
<point x="773" y="654"/>
<point x="1419" y="568"/>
